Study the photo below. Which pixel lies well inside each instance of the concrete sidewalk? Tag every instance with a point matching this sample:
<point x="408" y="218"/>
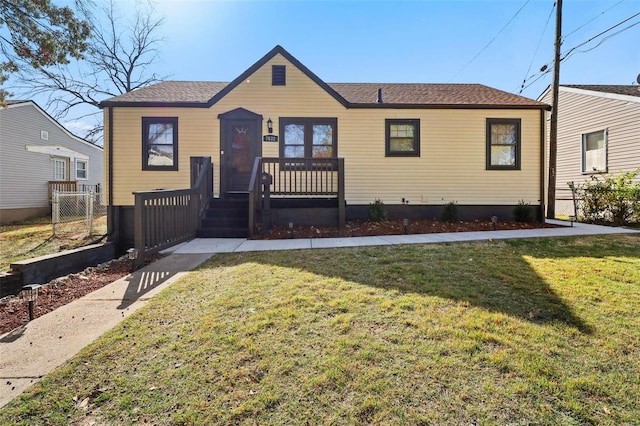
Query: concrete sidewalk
<point x="30" y="352"/>
<point x="232" y="245"/>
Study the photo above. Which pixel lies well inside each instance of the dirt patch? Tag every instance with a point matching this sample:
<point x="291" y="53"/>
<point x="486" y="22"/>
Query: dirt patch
<point x="392" y="227"/>
<point x="14" y="310"/>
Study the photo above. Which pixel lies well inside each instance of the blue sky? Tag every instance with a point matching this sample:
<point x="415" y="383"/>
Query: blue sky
<point x="401" y="41"/>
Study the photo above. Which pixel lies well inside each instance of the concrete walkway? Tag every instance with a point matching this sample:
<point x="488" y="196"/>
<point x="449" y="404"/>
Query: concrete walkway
<point x="30" y="352"/>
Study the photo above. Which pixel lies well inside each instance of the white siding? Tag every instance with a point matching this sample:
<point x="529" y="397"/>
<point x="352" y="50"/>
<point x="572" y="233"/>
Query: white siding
<point x="24" y="175"/>
<point x="580" y="113"/>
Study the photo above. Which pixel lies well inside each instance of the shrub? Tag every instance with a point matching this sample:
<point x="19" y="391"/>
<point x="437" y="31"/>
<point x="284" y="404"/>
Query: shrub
<point x="523" y="212"/>
<point x="377" y="211"/>
<point x="450" y="212"/>
<point x="613" y="199"/>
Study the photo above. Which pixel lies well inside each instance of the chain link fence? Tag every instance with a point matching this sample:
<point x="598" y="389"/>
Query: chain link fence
<point x="77" y="212"/>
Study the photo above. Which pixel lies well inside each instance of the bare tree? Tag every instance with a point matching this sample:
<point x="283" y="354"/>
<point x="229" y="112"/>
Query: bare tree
<point x="119" y="59"/>
<point x="37" y="34"/>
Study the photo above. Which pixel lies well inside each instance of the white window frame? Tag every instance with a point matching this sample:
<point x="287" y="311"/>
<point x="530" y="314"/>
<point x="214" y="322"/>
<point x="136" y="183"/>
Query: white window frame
<point x="583" y="151"/>
<point x="63" y="162"/>
<point x="86" y="169"/>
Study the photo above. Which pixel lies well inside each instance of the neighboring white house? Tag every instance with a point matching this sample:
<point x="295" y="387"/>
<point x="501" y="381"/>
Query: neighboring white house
<point x="598" y="134"/>
<point x="36" y="152"/>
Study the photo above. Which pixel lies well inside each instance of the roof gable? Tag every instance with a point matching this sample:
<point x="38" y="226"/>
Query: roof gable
<point x="205" y="94"/>
<point x="32" y="104"/>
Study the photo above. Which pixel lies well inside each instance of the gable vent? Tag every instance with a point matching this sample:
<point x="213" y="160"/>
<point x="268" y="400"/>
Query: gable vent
<point x="278" y="75"/>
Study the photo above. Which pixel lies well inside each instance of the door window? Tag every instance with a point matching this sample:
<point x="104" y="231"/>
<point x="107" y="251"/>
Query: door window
<point x="59" y="169"/>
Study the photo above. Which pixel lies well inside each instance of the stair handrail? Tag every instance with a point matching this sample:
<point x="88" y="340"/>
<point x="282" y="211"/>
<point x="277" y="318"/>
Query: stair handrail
<point x="255" y="195"/>
<point x="202" y="182"/>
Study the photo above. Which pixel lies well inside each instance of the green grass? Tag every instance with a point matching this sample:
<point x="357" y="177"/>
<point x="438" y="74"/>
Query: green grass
<point x="35" y="238"/>
<point x="540" y="331"/>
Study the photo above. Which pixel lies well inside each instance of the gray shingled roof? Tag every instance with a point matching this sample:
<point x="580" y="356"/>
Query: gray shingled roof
<point x="608" y="88"/>
<point x="358" y="94"/>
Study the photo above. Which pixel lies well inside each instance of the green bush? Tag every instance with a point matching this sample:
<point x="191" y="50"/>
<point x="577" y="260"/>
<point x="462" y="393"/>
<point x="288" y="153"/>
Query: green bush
<point x="523" y="212"/>
<point x="377" y="211"/>
<point x="450" y="212"/>
<point x="611" y="199"/>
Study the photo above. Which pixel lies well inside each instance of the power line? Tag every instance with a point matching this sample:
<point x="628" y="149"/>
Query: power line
<point x="537" y="47"/>
<point x="545" y="68"/>
<point x="602" y="33"/>
<point x="591" y="20"/>
<point x="575" y="49"/>
<point x="492" y="40"/>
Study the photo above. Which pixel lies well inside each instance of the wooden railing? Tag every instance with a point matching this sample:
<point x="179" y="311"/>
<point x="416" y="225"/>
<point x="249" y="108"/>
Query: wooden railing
<point x="62" y="186"/>
<point x="294" y="177"/>
<point x="164" y="218"/>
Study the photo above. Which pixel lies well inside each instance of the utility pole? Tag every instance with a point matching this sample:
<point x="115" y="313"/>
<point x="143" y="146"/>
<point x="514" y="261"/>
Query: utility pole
<point x="553" y="131"/>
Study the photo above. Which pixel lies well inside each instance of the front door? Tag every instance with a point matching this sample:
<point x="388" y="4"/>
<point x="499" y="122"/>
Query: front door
<point x="239" y="148"/>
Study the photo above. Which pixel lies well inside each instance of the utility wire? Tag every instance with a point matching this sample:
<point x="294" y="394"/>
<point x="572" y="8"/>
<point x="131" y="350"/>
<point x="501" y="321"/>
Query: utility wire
<point x="544" y="30"/>
<point x="602" y="33"/>
<point x="491" y="41"/>
<point x="546" y="69"/>
<point x="590" y="21"/>
<point x="576" y="50"/>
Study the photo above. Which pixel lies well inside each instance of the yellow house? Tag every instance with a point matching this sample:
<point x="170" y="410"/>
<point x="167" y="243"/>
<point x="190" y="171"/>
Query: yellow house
<point x="322" y="150"/>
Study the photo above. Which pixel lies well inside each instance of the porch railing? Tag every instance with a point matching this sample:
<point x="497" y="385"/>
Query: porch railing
<point x="294" y="177"/>
<point x="62" y="186"/>
<point x="164" y="218"/>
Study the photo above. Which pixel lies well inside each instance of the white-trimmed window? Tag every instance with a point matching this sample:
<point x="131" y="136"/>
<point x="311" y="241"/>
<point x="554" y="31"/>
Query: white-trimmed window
<point x="82" y="170"/>
<point x="594" y="152"/>
<point x="60" y="169"/>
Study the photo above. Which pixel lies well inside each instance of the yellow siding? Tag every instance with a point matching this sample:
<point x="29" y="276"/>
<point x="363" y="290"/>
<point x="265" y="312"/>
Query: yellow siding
<point x="451" y="166"/>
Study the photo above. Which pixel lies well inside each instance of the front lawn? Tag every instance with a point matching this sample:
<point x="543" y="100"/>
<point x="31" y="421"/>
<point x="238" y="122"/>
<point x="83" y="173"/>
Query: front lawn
<point x="34" y="238"/>
<point x="543" y="331"/>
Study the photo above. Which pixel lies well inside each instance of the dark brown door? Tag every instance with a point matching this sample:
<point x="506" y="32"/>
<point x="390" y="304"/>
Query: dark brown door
<point x="241" y="131"/>
<point x="239" y="153"/>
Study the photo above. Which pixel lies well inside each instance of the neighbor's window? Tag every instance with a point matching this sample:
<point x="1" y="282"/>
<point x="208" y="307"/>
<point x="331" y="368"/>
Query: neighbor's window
<point x="160" y="143"/>
<point x="81" y="169"/>
<point x="594" y="152"/>
<point x="308" y="137"/>
<point x="503" y="144"/>
<point x="402" y="138"/>
<point x="59" y="169"/>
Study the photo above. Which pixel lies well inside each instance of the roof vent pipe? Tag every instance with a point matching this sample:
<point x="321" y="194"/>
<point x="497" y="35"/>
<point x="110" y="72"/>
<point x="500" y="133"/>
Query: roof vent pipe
<point x="379" y="100"/>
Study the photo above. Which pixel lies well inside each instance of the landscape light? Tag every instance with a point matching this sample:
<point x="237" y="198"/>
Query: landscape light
<point x="132" y="254"/>
<point x="30" y="293"/>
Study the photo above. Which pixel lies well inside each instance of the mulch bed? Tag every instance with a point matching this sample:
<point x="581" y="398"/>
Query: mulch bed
<point x="363" y="228"/>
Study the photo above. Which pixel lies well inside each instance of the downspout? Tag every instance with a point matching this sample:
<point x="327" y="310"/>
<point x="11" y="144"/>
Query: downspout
<point x="543" y="136"/>
<point x="113" y="234"/>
